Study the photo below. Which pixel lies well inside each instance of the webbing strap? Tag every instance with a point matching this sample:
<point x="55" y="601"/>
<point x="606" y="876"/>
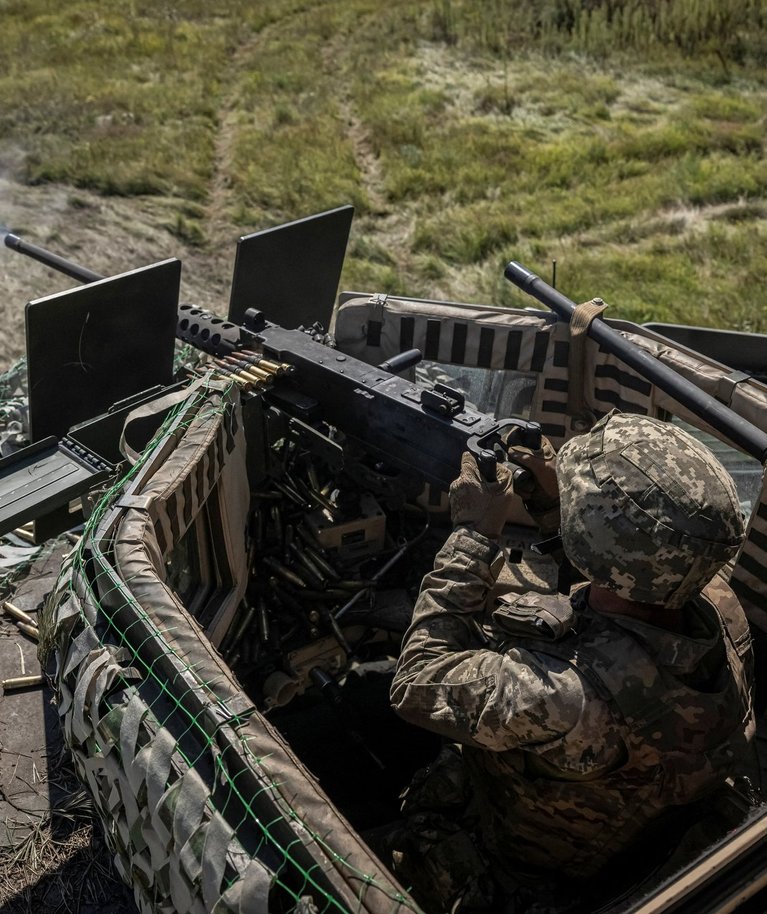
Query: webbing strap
<point x="580" y="321"/>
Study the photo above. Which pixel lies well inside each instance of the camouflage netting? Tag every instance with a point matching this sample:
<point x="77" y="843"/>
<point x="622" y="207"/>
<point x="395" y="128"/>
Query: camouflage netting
<point x="204" y="805"/>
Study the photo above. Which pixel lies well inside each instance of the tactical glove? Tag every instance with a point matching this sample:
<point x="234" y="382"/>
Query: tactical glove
<point x="484" y="506"/>
<point x="540" y="491"/>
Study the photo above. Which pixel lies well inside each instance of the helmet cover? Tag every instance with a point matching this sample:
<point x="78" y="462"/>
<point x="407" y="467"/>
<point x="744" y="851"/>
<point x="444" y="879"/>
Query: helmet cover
<point x="647" y="511"/>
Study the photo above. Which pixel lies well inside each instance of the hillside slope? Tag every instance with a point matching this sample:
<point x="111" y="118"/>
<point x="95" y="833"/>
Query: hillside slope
<point x="464" y="137"/>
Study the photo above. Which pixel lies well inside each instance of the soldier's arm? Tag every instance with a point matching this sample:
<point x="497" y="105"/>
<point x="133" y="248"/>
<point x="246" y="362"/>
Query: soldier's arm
<point x="447" y="683"/>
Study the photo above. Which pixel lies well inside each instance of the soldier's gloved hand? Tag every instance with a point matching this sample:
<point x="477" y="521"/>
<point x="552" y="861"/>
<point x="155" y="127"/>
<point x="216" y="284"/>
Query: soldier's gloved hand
<point x="485" y="506"/>
<point x="540" y="492"/>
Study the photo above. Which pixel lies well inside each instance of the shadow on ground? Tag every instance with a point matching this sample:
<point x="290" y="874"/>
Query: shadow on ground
<point x="52" y="853"/>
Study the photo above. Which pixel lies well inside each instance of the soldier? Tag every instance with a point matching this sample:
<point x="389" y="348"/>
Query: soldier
<point x="592" y="717"/>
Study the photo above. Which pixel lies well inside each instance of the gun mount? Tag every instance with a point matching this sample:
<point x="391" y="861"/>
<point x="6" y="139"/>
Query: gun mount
<point x="75" y="340"/>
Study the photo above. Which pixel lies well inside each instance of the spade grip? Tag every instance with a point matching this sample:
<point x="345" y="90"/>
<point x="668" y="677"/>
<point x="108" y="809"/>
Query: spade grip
<point x="489" y="450"/>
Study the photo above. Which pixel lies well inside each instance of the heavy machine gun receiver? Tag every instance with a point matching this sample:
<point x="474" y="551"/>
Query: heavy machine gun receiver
<point x="97" y="352"/>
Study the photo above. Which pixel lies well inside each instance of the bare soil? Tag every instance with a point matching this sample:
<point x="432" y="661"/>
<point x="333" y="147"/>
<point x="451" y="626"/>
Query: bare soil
<point x="109" y="235"/>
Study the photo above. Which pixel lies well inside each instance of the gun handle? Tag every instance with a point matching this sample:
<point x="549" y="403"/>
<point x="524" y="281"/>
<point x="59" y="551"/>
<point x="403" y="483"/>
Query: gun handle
<point x="489" y="450"/>
<point x="487" y="465"/>
<point x="523" y="482"/>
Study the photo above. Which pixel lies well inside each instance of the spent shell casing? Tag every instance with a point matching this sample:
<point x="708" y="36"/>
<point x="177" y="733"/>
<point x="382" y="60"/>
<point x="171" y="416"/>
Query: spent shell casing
<point x="322" y="563"/>
<point x="32" y="630"/>
<point x="19" y="614"/>
<point x="264" y="623"/>
<point x="276" y="515"/>
<point x="309" y="538"/>
<point x="286" y="574"/>
<point x="291" y="493"/>
<point x="286" y="548"/>
<point x="311" y="475"/>
<point x="303" y="559"/>
<point x="285" y="598"/>
<point x="21" y="682"/>
<point x="309" y="571"/>
<point x="319" y="499"/>
<point x="245" y="621"/>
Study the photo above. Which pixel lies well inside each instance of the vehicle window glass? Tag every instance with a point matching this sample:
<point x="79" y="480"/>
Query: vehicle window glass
<point x="746" y="471"/>
<point x="499" y="393"/>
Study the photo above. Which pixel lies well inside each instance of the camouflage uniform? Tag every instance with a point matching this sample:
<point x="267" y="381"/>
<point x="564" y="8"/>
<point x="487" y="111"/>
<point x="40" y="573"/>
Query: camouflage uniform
<point x="578" y="728"/>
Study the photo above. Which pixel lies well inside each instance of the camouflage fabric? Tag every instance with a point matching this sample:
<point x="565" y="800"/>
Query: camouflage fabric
<point x="573" y="746"/>
<point x="646" y="511"/>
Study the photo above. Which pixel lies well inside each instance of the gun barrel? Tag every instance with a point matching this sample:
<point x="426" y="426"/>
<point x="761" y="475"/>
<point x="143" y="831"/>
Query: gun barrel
<point x="82" y="274"/>
<point x="741" y="432"/>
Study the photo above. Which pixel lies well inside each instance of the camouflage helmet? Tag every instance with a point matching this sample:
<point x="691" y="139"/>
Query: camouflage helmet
<point x="647" y="511"/>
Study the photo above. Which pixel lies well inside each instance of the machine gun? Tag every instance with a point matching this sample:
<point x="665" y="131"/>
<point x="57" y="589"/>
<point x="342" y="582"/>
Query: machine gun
<point x="97" y="352"/>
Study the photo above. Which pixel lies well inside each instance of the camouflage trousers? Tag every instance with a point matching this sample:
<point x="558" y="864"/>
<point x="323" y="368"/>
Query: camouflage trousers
<point x="439" y="855"/>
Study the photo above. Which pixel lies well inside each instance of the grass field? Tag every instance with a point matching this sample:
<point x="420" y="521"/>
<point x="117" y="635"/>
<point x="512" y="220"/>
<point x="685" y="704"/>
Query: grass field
<point x="624" y="139"/>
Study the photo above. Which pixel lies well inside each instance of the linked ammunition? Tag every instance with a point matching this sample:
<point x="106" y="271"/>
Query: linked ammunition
<point x="229" y="374"/>
<point x="243" y="376"/>
<point x="279" y="368"/>
<point x="246" y="368"/>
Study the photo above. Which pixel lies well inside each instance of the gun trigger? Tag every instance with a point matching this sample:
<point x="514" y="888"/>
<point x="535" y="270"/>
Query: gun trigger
<point x="531" y="435"/>
<point x="487" y="465"/>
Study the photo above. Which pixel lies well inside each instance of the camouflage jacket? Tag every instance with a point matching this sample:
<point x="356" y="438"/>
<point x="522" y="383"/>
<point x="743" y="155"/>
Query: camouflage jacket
<point x="574" y="745"/>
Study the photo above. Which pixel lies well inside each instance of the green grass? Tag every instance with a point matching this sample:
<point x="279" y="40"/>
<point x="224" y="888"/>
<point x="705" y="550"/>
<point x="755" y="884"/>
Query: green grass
<point x="626" y="139"/>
